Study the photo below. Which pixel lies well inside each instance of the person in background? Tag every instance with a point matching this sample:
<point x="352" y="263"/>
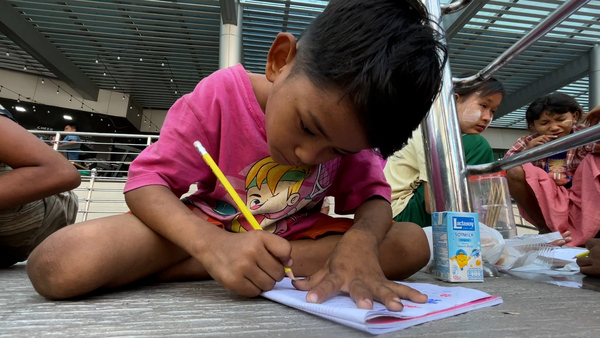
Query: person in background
<point x="68" y="140"/>
<point x="406" y="170"/>
<point x="35" y="191"/>
<point x="305" y="129"/>
<point x="560" y="192"/>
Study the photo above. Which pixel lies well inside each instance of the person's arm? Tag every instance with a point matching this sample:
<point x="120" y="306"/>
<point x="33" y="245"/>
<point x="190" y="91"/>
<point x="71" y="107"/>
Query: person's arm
<point x="38" y="171"/>
<point x="247" y="263"/>
<point x="519" y="146"/>
<point x="353" y="266"/>
<point x="593" y="117"/>
<point x="68" y="140"/>
<point x="426" y="199"/>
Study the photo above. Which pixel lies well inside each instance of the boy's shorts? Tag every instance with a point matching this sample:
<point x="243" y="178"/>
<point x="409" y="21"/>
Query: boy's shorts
<point x="325" y="226"/>
<point x="23" y="228"/>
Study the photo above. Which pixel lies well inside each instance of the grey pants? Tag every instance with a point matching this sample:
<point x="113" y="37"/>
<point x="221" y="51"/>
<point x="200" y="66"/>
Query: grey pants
<point x="23" y="228"/>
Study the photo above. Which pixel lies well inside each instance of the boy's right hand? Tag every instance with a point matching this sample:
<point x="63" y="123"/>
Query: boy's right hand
<point x="540" y="140"/>
<point x="247" y="263"/>
<point x="590" y="265"/>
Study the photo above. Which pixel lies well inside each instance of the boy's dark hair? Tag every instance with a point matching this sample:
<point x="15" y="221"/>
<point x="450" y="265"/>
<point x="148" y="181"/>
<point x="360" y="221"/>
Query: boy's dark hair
<point x="484" y="88"/>
<point x="554" y="103"/>
<point x="72" y="125"/>
<point x="385" y="55"/>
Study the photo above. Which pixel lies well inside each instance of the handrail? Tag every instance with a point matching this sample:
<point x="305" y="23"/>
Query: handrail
<point x="80" y="133"/>
<point x="578" y="139"/>
<point x="110" y="158"/>
<point x="558" y="16"/>
<point x="454" y="6"/>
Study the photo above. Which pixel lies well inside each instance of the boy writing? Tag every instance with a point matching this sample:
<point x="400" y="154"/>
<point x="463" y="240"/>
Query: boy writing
<point x="324" y="101"/>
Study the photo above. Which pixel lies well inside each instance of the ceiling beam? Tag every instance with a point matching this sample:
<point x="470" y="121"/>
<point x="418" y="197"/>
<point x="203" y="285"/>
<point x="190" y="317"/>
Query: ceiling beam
<point x="454" y="22"/>
<point x="229" y="11"/>
<point x="544" y="85"/>
<point x="22" y="33"/>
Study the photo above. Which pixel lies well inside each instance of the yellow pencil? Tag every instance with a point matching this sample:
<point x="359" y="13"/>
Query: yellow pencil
<point x="236" y="198"/>
<point x="583" y="254"/>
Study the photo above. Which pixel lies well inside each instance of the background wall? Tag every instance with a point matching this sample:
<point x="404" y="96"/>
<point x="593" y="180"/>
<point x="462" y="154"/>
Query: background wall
<point x="503" y="138"/>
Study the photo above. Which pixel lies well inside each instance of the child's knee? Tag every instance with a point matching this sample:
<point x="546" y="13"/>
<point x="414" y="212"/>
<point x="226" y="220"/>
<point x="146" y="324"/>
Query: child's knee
<point x="410" y="243"/>
<point x="52" y="268"/>
<point x="515" y="175"/>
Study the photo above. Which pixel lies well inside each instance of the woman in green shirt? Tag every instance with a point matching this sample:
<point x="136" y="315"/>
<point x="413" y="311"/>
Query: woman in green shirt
<point x="406" y="170"/>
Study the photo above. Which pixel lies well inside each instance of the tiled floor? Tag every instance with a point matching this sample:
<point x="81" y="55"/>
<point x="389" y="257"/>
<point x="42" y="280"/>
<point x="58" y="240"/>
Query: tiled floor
<point x="204" y="308"/>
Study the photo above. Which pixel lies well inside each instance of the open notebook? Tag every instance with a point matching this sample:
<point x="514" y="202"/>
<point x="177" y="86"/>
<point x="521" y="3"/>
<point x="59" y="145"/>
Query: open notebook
<point x="443" y="302"/>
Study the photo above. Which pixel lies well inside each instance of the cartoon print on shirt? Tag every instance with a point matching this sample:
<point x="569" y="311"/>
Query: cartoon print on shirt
<point x="275" y="193"/>
<point x="272" y="192"/>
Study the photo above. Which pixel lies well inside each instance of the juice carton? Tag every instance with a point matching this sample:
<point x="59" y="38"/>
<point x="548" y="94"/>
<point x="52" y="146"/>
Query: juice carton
<point x="457" y="246"/>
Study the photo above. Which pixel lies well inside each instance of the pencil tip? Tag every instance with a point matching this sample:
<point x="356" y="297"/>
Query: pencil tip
<point x="289" y="273"/>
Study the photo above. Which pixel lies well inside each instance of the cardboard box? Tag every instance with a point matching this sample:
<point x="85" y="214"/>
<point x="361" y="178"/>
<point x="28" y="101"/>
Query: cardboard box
<point x="457" y="246"/>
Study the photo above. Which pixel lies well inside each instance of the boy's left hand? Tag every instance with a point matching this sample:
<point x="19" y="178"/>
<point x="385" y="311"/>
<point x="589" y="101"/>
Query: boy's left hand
<point x="353" y="267"/>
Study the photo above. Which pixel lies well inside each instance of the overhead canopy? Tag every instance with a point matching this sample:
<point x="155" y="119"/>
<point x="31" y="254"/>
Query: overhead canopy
<point x="155" y="51"/>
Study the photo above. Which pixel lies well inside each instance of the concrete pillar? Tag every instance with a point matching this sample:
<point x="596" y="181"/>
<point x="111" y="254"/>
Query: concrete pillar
<point x="230" y="48"/>
<point x="594" y="77"/>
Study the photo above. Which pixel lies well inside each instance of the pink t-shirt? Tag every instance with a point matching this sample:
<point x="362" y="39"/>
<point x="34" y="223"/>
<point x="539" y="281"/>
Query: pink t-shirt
<point x="223" y="114"/>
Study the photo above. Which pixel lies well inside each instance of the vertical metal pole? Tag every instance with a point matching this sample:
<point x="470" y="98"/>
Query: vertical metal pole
<point x="88" y="199"/>
<point x="594" y="77"/>
<point x="56" y="140"/>
<point x="443" y="144"/>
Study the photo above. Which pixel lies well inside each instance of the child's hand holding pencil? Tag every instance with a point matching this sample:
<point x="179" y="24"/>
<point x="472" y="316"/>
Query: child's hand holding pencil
<point x="247" y="263"/>
<point x="231" y="191"/>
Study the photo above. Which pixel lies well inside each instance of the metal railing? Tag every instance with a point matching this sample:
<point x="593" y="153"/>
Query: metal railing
<point x="101" y="190"/>
<point x="103" y="162"/>
<point x="110" y="154"/>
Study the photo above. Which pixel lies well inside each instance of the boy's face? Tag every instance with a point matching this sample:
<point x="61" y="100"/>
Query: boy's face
<point x="475" y="112"/>
<point x="306" y="125"/>
<point x="555" y="124"/>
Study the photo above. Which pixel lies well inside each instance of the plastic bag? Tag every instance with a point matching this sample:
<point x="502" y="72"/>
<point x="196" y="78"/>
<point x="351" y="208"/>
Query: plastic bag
<point x="429" y="267"/>
<point x="528" y="250"/>
<point x="492" y="243"/>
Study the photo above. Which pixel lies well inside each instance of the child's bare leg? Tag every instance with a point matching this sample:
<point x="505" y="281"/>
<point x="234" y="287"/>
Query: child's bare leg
<point x="308" y="256"/>
<point x="186" y="270"/>
<point x="403" y="252"/>
<point x="100" y="253"/>
<point x="525" y="197"/>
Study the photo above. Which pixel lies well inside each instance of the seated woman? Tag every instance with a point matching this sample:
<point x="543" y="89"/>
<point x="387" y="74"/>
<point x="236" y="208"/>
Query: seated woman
<point x="406" y="171"/>
<point x="35" y="199"/>
<point x="560" y="192"/>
